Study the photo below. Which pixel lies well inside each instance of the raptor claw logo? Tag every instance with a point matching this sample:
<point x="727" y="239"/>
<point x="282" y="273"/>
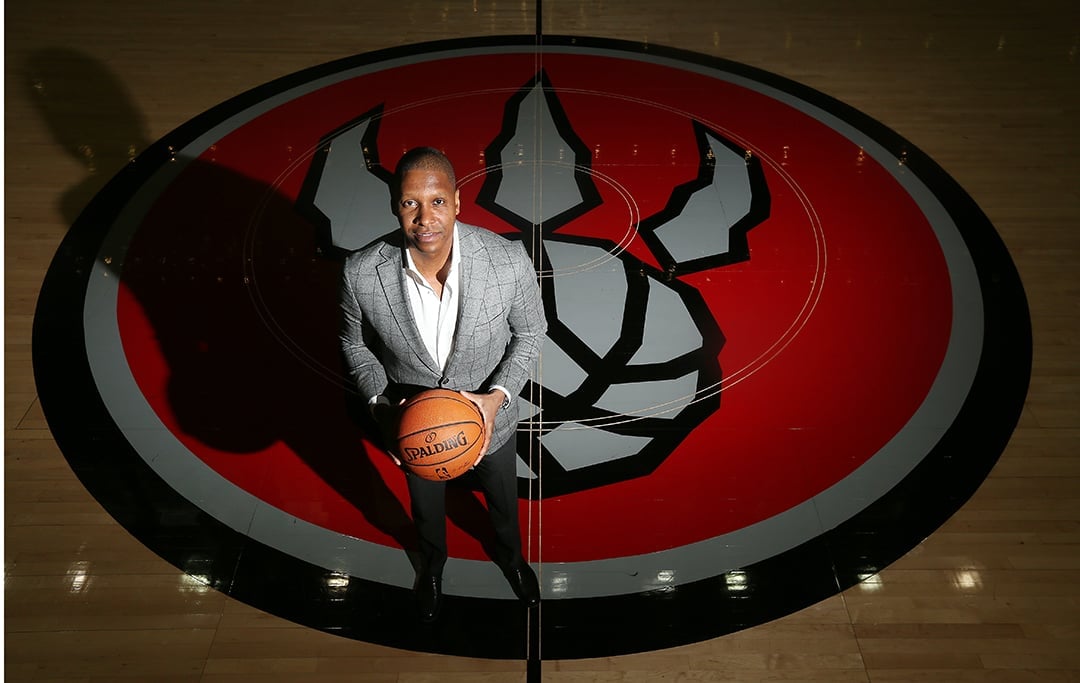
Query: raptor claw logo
<point x="628" y="375"/>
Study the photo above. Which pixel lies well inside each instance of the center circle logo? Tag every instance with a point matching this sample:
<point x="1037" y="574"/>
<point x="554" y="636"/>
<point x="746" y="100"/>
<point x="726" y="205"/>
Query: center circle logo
<point x="774" y="325"/>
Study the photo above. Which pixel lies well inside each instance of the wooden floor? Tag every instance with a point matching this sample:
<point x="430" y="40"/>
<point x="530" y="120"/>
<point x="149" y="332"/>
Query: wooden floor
<point x="990" y="90"/>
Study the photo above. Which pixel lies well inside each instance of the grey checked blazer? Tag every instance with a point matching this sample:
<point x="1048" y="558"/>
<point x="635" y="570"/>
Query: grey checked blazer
<point x="500" y="325"/>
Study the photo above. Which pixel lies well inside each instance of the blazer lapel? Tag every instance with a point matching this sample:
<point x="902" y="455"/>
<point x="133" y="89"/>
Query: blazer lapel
<point x="392" y="276"/>
<point x="470" y="280"/>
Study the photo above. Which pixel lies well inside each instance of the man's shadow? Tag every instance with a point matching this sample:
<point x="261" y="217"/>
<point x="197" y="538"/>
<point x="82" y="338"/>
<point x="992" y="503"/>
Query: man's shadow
<point x="101" y="138"/>
<point x="244" y="307"/>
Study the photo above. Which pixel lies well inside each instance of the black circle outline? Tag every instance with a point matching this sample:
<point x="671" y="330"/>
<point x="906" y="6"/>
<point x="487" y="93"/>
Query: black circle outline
<point x="265" y="578"/>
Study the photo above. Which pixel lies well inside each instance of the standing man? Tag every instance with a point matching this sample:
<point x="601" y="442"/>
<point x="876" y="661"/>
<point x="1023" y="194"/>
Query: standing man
<point x="445" y="304"/>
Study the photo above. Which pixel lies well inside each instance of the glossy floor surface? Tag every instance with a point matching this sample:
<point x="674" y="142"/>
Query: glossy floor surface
<point x="94" y="542"/>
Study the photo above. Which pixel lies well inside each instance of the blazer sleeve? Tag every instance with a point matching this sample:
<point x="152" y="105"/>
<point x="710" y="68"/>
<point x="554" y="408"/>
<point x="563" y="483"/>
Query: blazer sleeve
<point x="527" y="325"/>
<point x="357" y="337"/>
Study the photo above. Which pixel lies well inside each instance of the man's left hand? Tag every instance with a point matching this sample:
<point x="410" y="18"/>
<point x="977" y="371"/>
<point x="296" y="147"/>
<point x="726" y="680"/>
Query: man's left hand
<point x="489" y="405"/>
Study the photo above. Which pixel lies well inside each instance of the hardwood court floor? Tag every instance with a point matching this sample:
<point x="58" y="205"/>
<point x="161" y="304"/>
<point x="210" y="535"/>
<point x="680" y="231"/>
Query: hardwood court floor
<point x="990" y="90"/>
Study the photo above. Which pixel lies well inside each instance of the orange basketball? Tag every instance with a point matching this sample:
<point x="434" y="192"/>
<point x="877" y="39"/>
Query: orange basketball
<point x="440" y="434"/>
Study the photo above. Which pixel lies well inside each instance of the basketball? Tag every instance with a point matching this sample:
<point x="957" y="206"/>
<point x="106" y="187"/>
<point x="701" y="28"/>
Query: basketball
<point x="439" y="434"/>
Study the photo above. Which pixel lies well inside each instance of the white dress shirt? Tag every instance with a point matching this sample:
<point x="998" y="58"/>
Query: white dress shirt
<point x="436" y="317"/>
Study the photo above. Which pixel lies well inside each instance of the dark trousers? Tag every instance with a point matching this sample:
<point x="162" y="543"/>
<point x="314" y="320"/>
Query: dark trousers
<point x="497" y="474"/>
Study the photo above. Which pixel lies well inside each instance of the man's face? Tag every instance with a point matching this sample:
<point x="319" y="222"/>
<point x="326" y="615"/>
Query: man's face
<point x="426" y="210"/>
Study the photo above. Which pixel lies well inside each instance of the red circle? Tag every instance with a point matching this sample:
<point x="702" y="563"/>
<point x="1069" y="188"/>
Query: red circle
<point x="826" y="397"/>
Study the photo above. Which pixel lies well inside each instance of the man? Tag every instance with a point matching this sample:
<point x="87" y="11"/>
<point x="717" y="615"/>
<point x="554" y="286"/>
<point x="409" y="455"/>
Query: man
<point x="445" y="304"/>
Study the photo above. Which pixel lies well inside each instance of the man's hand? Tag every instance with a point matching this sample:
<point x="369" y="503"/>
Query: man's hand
<point x="489" y="405"/>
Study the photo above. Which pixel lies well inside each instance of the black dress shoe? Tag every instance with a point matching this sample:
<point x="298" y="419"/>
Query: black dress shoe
<point x="523" y="580"/>
<point x="429" y="597"/>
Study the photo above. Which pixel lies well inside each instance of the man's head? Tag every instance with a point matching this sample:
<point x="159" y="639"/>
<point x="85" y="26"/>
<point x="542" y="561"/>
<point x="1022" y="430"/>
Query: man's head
<point x="426" y="202"/>
<point x="423" y="159"/>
